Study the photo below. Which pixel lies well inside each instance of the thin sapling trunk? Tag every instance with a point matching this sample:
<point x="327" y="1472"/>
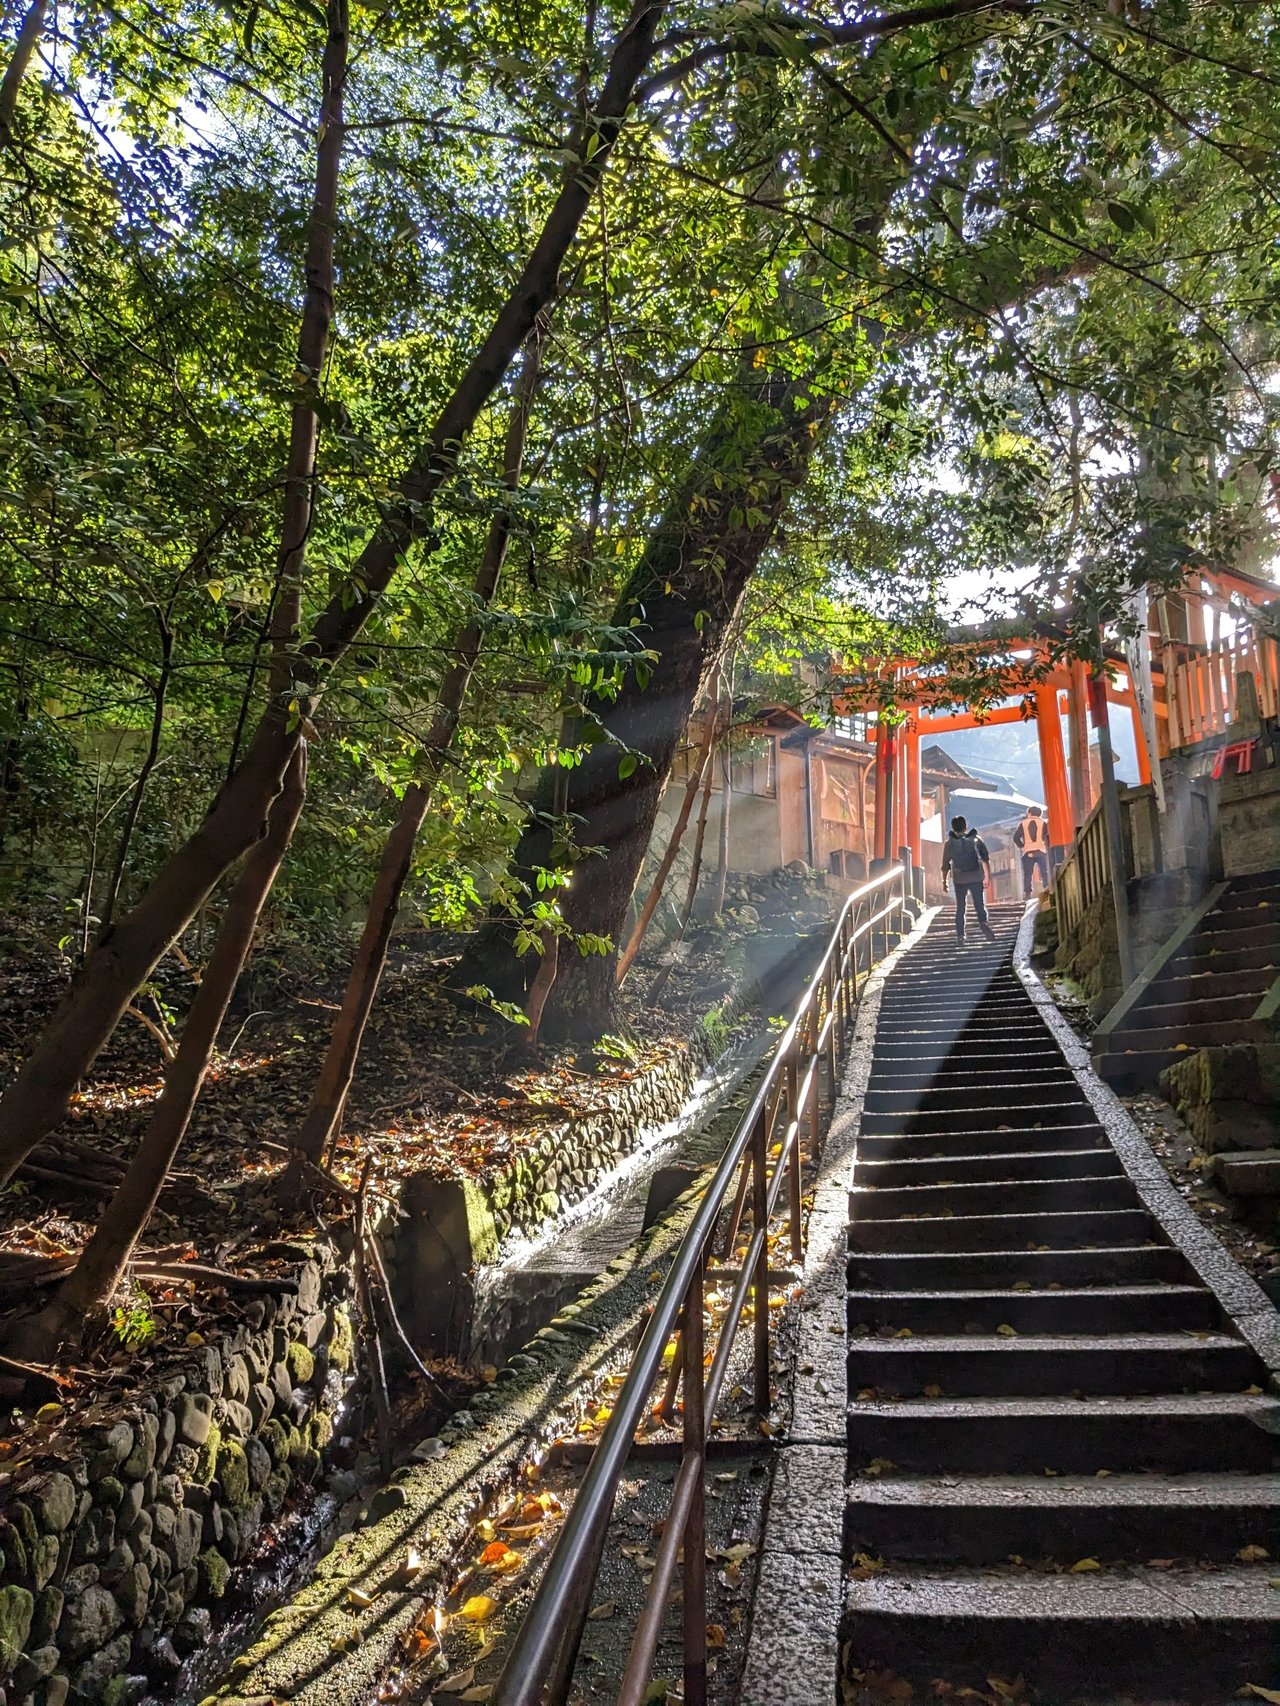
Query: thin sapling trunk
<point x="333" y="1084"/>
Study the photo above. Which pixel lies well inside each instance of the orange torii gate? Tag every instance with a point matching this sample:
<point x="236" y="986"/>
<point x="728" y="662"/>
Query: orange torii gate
<point x="1045" y="691"/>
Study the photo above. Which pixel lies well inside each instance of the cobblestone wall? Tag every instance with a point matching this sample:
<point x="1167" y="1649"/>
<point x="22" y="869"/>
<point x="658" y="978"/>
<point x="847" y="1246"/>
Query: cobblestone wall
<point x="115" y="1545"/>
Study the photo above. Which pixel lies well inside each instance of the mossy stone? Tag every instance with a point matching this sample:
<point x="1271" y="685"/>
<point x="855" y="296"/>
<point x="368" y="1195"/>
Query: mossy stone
<point x="322" y="1431"/>
<point x="16" y="1608"/>
<point x="14" y="1553"/>
<point x="207" y="1456"/>
<point x="233" y="1475"/>
<point x="215" y="1572"/>
<point x="276" y="1440"/>
<point x="23" y="1519"/>
<point x="277" y="1487"/>
<point x="43" y="1559"/>
<point x="109" y="1491"/>
<point x="116" y="1693"/>
<point x="342" y="1342"/>
<point x="300" y="1362"/>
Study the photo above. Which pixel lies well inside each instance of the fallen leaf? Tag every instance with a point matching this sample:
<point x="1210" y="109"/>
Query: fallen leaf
<point x="1083" y="1564"/>
<point x="1161" y="1563"/>
<point x="478" y="1609"/>
<point x="904" y="1333"/>
<point x="456" y="1683"/>
<point x="1272" y="1694"/>
<point x="361" y="1601"/>
<point x="481" y="1691"/>
<point x="605" y="1609"/>
<point x="933" y="1392"/>
<point x="1006" y="1331"/>
<point x="716" y="1636"/>
<point x="1253" y="1554"/>
<point x="879" y="1466"/>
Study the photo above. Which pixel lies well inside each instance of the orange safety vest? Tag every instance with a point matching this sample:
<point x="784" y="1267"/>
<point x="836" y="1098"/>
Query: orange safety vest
<point x="1034" y="838"/>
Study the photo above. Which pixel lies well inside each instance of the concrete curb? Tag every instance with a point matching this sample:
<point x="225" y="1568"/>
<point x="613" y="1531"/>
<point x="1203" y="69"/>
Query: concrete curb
<point x="1241" y="1297"/>
<point x="793" y="1655"/>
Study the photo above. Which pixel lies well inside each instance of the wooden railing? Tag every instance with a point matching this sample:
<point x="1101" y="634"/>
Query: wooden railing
<point x="1084" y="874"/>
<point x="761" y="1163"/>
<point x="1203" y="690"/>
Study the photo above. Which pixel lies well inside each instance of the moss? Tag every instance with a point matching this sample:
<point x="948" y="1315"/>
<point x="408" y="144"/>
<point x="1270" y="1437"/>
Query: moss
<point x="109" y="1491"/>
<point x="116" y="1693"/>
<point x="16" y="1607"/>
<point x="297" y="1444"/>
<point x="215" y="1572"/>
<point x="322" y="1431"/>
<point x="14" y="1553"/>
<point x="342" y="1341"/>
<point x="276" y="1489"/>
<point x="23" y="1519"/>
<point x="207" y="1456"/>
<point x="233" y="1475"/>
<point x="276" y="1439"/>
<point x="300" y="1362"/>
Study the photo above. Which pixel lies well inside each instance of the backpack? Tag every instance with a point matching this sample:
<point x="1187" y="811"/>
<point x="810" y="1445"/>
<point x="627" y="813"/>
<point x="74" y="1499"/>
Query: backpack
<point x="965" y="863"/>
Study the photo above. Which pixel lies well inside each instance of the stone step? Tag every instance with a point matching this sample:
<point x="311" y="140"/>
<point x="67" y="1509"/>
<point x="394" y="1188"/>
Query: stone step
<point x="1138" y="1069"/>
<point x="946" y="1069"/>
<point x="928" y="1271"/>
<point x="1161" y="1013"/>
<point x="1196" y="959"/>
<point x="1040" y="1365"/>
<point x="1183" y="989"/>
<point x="1248" y="1172"/>
<point x="1064" y="1230"/>
<point x="1007" y="1195"/>
<point x="939" y="1145"/>
<point x="1179" y="1433"/>
<point x="1180" y="1039"/>
<point x="1090" y="1637"/>
<point x="1086" y="1162"/>
<point x="1260" y="922"/>
<point x="986" y="1519"/>
<point x="1068" y="1111"/>
<point x="1083" y="1309"/>
<point x="971" y="1089"/>
<point x="890" y="1057"/>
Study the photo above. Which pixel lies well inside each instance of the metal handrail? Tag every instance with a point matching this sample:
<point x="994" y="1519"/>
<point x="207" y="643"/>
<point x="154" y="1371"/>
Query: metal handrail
<point x="540" y="1665"/>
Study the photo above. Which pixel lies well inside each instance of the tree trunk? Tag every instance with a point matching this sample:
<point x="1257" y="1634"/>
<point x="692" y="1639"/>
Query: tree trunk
<point x="690" y="585"/>
<point x="144" y="773"/>
<point x="104" y="1258"/>
<point x="37" y="1099"/>
<point x="726" y="803"/>
<point x="334" y="1081"/>
<point x="695" y="869"/>
<point x="668" y="859"/>
<point x="16" y="70"/>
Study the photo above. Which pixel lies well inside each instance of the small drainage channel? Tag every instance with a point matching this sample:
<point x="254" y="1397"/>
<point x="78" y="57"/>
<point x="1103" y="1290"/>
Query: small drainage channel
<point x="535" y="1279"/>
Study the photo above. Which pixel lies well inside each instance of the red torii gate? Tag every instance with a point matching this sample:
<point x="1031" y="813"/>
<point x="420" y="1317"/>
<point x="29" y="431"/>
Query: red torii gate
<point x="1045" y="692"/>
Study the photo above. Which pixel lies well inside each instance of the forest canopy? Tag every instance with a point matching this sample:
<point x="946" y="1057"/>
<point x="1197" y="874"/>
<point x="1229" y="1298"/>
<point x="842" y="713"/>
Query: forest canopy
<point x="410" y="412"/>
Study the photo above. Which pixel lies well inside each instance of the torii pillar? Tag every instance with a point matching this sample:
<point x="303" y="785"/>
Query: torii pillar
<point x="1053" y="766"/>
<point x="1078" y="729"/>
<point x="911" y="794"/>
<point x="886" y="758"/>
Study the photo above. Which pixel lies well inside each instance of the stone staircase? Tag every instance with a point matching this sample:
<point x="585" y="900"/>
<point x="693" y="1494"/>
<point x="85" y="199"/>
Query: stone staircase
<point x="1205" y="994"/>
<point x="1062" y="1456"/>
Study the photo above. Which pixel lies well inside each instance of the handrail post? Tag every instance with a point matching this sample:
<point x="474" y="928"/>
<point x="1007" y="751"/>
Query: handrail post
<point x="795" y="1190"/>
<point x="695" y="1532"/>
<point x="760" y="1282"/>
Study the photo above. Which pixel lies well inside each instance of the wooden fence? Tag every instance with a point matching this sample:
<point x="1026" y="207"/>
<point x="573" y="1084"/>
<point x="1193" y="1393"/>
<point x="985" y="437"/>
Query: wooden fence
<point x="1203" y="689"/>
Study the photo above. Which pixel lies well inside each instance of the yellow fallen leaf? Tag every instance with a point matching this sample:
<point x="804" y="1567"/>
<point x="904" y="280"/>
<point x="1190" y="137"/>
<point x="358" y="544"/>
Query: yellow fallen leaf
<point x="603" y="1610"/>
<point x="361" y="1601"/>
<point x="933" y="1392"/>
<point x="904" y="1333"/>
<point x="1253" y="1554"/>
<point x="481" y="1691"/>
<point x="736" y="1554"/>
<point x="1083" y="1564"/>
<point x="879" y="1466"/>
<point x="1022" y="1285"/>
<point x="478" y="1609"/>
<point x="1253" y="1391"/>
<point x="488" y="1374"/>
<point x="195" y="1340"/>
<point x="1006" y="1331"/>
<point x="1272" y="1694"/>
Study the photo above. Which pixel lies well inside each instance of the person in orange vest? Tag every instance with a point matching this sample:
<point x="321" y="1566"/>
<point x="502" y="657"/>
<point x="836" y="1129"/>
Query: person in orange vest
<point x="1032" y="836"/>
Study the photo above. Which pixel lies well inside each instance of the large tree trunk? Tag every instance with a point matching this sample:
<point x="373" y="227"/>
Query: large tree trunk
<point x="334" y="1081"/>
<point x="688" y="587"/>
<point x="37" y="1099"/>
<point x="104" y="1258"/>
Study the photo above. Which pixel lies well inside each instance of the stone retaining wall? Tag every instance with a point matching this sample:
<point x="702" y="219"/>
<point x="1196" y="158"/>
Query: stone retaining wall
<point x="115" y="1544"/>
